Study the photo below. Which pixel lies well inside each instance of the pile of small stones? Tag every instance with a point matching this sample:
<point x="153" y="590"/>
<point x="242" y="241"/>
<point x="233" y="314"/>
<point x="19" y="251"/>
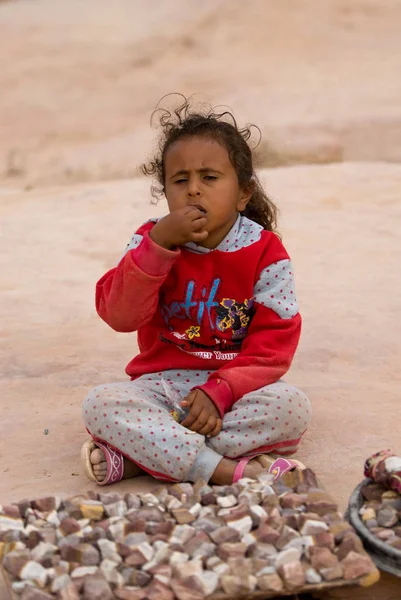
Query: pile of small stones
<point x="185" y="542"/>
<point x="381" y="513"/>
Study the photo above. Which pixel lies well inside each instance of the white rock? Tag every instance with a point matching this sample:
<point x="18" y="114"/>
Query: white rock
<point x="108" y="550"/>
<point x="7" y="523"/>
<point x="174" y="503"/>
<point x="259" y="512"/>
<point x="195" y="509"/>
<point x="83" y="571"/>
<point x="34" y="572"/>
<point x="266" y="571"/>
<point x="178" y="558"/>
<point x="43" y="550"/>
<point x="208" y="580"/>
<point x="312" y="576"/>
<point x="227" y="501"/>
<point x="108" y="567"/>
<point x="301" y="542"/>
<point x="83" y="522"/>
<point x="18" y="586"/>
<point x="60" y="582"/>
<point x="150" y="499"/>
<point x="53" y="518"/>
<point x="243" y="525"/>
<point x="287" y="556"/>
<point x="181" y="534"/>
<point x="312" y="527"/>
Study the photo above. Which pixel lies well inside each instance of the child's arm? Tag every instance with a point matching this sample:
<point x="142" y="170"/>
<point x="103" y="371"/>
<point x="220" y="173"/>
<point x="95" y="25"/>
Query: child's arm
<point x="127" y="296"/>
<point x="272" y="338"/>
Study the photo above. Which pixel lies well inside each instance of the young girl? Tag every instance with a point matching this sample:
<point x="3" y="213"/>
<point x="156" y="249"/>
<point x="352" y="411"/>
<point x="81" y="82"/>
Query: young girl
<point x="210" y="290"/>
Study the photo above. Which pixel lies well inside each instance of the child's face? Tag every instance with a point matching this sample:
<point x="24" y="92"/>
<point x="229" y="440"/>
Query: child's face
<point x="198" y="172"/>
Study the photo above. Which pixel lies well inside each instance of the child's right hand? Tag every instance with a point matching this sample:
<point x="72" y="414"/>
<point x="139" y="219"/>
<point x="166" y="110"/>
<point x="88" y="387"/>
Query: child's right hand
<point x="180" y="227"/>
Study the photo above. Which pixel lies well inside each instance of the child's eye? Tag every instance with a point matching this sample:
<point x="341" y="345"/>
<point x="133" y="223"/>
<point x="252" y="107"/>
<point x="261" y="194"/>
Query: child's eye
<point x="210" y="177"/>
<point x="180" y="181"/>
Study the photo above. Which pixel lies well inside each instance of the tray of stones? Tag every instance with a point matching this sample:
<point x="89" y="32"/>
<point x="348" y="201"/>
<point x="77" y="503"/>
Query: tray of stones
<point x="375" y="513"/>
<point x="252" y="539"/>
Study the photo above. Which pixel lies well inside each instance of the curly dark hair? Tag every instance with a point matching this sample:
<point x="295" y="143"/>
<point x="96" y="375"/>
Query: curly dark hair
<point x="183" y="122"/>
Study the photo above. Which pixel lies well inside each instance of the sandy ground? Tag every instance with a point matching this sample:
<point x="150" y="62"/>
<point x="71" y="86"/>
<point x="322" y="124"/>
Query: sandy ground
<point x="341" y="224"/>
<point x="79" y="80"/>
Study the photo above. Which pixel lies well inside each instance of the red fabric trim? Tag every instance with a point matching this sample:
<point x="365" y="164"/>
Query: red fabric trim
<point x="270" y="448"/>
<point x="220" y="393"/>
<point x="152" y="258"/>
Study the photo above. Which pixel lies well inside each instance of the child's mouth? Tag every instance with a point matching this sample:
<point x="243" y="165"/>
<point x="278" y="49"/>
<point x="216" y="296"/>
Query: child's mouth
<point x="199" y="207"/>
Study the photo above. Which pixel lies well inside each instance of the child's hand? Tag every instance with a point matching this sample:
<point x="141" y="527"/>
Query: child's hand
<point x="204" y="418"/>
<point x="179" y="227"/>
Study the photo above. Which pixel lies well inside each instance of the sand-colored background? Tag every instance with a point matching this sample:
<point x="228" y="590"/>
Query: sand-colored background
<point x="77" y="87"/>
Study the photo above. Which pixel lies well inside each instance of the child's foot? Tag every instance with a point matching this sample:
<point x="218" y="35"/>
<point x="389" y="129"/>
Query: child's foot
<point x="224" y="473"/>
<point x="99" y="466"/>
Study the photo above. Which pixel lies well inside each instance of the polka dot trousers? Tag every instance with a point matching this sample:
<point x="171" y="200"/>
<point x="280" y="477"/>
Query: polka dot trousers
<point x="134" y="418"/>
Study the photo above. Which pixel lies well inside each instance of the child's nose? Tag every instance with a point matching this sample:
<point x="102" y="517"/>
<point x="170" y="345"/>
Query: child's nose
<point x="193" y="189"/>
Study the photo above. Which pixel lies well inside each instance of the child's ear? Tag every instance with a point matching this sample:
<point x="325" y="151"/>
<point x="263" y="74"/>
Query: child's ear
<point x="246" y="195"/>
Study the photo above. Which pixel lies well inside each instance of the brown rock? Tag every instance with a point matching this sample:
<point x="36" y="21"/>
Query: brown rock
<point x="339" y="530"/>
<point x="132" y="500"/>
<point x="270" y="583"/>
<point x="270" y="501"/>
<point x="164" y="527"/>
<point x="356" y="565"/>
<point x="85" y="554"/>
<point x="69" y="525"/>
<point x="320" y="502"/>
<point x="14" y="561"/>
<point x="135" y="523"/>
<point x="96" y="588"/>
<point x="325" y="539"/>
<point x="32" y="593"/>
<point x="236" y="585"/>
<point x="395" y="543"/>
<point x="350" y="543"/>
<point x="332" y="573"/>
<point x="158" y="590"/>
<point x="136" y="577"/>
<point x="69" y="592"/>
<point x="195" y="542"/>
<point x="139" y="555"/>
<point x="266" y="534"/>
<point x="387" y="517"/>
<point x="23" y="506"/>
<point x="385" y="535"/>
<point x="397" y="530"/>
<point x="307" y="480"/>
<point x="109" y="497"/>
<point x="12" y="511"/>
<point x="208" y="498"/>
<point x="286" y="536"/>
<point x="292" y="500"/>
<point x="321" y="558"/>
<point x="45" y="504"/>
<point x="183" y="516"/>
<point x="150" y="513"/>
<point x="228" y="550"/>
<point x="225" y="534"/>
<point x="131" y="593"/>
<point x="373" y="491"/>
<point x="292" y="574"/>
<point x="275" y="519"/>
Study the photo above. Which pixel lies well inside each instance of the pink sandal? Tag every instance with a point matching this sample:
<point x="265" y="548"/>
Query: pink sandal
<point x="278" y="468"/>
<point x="115" y="462"/>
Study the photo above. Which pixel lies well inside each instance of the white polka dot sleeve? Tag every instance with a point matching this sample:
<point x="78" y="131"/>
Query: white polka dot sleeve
<point x="275" y="289"/>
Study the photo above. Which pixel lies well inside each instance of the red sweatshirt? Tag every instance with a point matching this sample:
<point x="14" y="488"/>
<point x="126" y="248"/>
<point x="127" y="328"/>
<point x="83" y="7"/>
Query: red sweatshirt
<point x="231" y="310"/>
